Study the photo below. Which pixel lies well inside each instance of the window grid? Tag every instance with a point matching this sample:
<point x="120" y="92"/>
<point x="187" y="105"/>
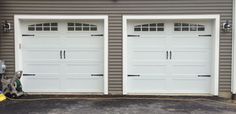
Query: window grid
<point x="188" y="27"/>
<point x="43" y="27"/>
<point x="81" y="27"/>
<point x="150" y="27"/>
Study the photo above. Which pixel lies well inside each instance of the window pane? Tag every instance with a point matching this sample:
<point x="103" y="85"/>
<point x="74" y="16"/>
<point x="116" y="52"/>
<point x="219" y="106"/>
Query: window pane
<point x="145" y="25"/>
<point x="54" y="29"/>
<point x="193" y="27"/>
<point x="86" y="28"/>
<point x="93" y="28"/>
<point x="153" y="25"/>
<point x="153" y="29"/>
<point x="85" y="24"/>
<point x="160" y="29"/>
<point x="31" y="28"/>
<point x="177" y="24"/>
<point x="70" y="28"/>
<point x="160" y="24"/>
<point x="46" y="28"/>
<point x="78" y="28"/>
<point x="39" y="28"/>
<point x="201" y="28"/>
<point x="70" y="24"/>
<point x="46" y="24"/>
<point x="78" y="24"/>
<point x="177" y="28"/>
<point x="144" y="29"/>
<point x="137" y="29"/>
<point x="53" y="24"/>
<point x="39" y="25"/>
<point x="185" y="27"/>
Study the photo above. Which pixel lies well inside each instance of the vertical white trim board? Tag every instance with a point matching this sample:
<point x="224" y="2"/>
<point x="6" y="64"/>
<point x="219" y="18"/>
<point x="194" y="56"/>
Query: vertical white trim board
<point x="18" y="41"/>
<point x="233" y="79"/>
<point x="215" y="65"/>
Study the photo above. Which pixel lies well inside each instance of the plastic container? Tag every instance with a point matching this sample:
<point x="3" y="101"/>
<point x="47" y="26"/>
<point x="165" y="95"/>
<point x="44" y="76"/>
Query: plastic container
<point x="2" y="97"/>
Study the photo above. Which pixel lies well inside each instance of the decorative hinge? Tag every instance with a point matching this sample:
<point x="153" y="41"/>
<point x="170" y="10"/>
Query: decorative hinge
<point x="207" y="35"/>
<point x="29" y="74"/>
<point x="133" y="75"/>
<point x="133" y="35"/>
<point x="204" y="75"/>
<point x="27" y="34"/>
<point x="96" y="34"/>
<point x="96" y="74"/>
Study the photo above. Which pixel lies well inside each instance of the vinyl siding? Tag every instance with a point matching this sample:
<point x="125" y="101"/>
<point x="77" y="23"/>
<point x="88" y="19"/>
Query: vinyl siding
<point x="115" y="9"/>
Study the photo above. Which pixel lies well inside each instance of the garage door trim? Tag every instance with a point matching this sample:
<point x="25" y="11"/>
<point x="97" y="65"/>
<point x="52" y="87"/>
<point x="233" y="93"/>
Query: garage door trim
<point x="216" y="32"/>
<point x="18" y="42"/>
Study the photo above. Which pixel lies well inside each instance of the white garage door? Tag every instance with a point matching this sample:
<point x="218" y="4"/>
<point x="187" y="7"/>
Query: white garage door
<point x="62" y="56"/>
<point x="172" y="57"/>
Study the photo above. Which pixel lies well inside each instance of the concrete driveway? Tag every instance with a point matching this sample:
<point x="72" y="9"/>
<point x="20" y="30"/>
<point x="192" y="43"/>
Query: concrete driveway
<point x="118" y="105"/>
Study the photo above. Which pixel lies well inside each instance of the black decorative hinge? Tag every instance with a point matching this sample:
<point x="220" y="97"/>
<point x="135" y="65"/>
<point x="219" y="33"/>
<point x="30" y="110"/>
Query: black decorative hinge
<point x="96" y="74"/>
<point x="207" y="35"/>
<point x="97" y="35"/>
<point x="29" y="74"/>
<point x="204" y="75"/>
<point x="133" y="35"/>
<point x="133" y="75"/>
<point x="27" y="34"/>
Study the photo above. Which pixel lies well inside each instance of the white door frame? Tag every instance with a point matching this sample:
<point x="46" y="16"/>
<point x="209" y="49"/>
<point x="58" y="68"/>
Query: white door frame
<point x="233" y="80"/>
<point x="18" y="37"/>
<point x="215" y="65"/>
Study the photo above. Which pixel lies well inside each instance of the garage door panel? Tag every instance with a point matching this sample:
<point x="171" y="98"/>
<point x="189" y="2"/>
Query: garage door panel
<point x="38" y="85"/>
<point x="157" y="69"/>
<point x="146" y="54"/>
<point x="83" y="43"/>
<point x="42" y="55"/>
<point x="150" y="42"/>
<point x="190" y="54"/>
<point x="175" y="59"/>
<point x="63" y="55"/>
<point x="201" y="43"/>
<point x="83" y="85"/>
<point x="41" y="67"/>
<point x="191" y="85"/>
<point x="85" y="54"/>
<point x="146" y="86"/>
<point x="190" y="69"/>
<point x="188" y="76"/>
<point x="36" y="43"/>
<point x="84" y="68"/>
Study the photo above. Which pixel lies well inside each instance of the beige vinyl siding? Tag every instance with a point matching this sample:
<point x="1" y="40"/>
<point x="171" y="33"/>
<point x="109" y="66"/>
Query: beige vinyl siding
<point x="115" y="9"/>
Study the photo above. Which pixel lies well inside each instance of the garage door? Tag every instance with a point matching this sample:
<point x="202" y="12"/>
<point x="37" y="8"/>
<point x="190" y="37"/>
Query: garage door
<point x="172" y="57"/>
<point x="62" y="55"/>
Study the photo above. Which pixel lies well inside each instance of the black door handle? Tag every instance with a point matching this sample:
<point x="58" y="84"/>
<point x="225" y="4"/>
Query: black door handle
<point x="167" y="55"/>
<point x="61" y="54"/>
<point x="64" y="53"/>
<point x="170" y="55"/>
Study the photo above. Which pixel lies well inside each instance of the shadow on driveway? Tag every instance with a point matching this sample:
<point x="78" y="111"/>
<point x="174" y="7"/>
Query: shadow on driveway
<point x="117" y="105"/>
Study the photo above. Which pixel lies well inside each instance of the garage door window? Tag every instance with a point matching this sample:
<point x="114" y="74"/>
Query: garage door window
<point x="150" y="27"/>
<point x="81" y="27"/>
<point x="43" y="27"/>
<point x="188" y="27"/>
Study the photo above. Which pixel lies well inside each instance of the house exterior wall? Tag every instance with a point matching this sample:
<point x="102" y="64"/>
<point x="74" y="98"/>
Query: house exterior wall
<point x="115" y="9"/>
